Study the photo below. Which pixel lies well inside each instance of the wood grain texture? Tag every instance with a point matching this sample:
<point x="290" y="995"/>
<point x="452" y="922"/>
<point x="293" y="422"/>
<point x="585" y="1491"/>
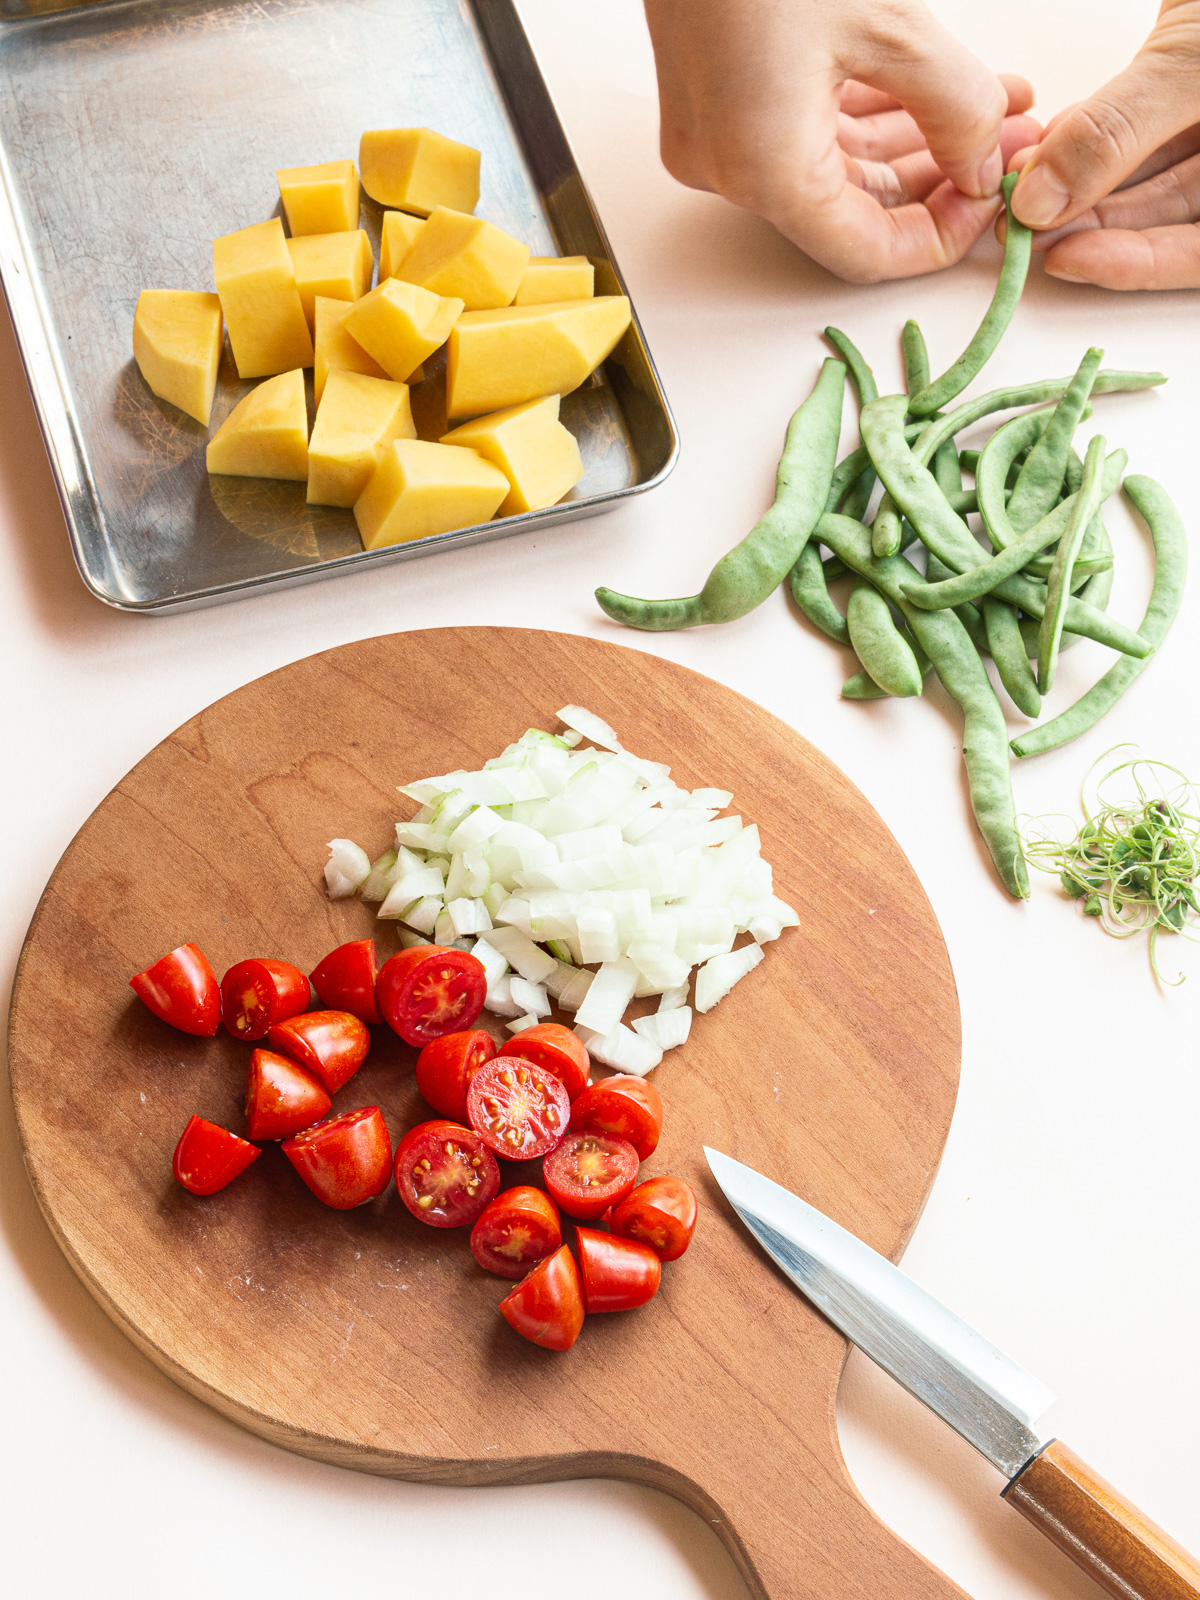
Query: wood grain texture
<point x="1128" y="1555"/>
<point x="371" y="1341"/>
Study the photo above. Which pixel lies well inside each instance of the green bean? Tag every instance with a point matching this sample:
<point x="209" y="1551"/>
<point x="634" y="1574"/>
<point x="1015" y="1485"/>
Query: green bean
<point x="879" y="644"/>
<point x="859" y="497"/>
<point x="1008" y="652"/>
<point x="916" y="358"/>
<point x="1058" y="587"/>
<point x="1046" y="465"/>
<point x="946" y="471"/>
<point x="808" y="580"/>
<point x="744" y="577"/>
<point x="967" y="614"/>
<point x="862" y="686"/>
<point x="992" y="469"/>
<point x="832" y="569"/>
<point x="954" y="380"/>
<point x="860" y="372"/>
<point x="1170" y="573"/>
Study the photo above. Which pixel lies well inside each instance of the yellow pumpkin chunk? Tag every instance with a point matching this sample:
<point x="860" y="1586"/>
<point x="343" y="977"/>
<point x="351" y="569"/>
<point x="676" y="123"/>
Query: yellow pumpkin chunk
<point x="266" y="434"/>
<point x="466" y="257"/>
<point x="518" y="353"/>
<point x="396" y="240"/>
<point x="336" y="351"/>
<point x="321" y="199"/>
<point x="420" y="489"/>
<point x="256" y="283"/>
<point x="550" y="278"/>
<point x="417" y="169"/>
<point x="539" y="457"/>
<point x="400" y="324"/>
<point x="335" y="265"/>
<point x="177" y="346"/>
<point x="357" y="419"/>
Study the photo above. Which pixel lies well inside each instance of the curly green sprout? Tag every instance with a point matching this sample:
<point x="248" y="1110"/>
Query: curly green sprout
<point x="1136" y="860"/>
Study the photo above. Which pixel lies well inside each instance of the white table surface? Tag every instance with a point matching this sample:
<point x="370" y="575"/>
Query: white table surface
<point x="1064" y="1220"/>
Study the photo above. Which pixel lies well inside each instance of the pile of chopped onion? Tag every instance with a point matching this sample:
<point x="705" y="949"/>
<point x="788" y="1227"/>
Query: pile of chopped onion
<point x="556" y="859"/>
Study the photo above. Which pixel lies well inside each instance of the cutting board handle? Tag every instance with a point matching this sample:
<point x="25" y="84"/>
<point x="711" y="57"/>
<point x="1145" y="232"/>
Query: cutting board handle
<point x="1124" y="1551"/>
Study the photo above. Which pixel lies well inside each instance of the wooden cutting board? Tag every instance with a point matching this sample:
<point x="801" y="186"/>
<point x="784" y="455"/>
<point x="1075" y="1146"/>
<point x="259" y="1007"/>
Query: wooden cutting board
<point x="371" y="1341"/>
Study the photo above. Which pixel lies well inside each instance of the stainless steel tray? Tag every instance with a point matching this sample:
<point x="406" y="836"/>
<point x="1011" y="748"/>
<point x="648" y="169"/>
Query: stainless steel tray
<point x="133" y="133"/>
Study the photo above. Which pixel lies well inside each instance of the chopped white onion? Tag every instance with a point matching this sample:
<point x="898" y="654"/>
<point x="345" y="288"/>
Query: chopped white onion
<point x="666" y="1029"/>
<point x="763" y="929"/>
<point x="424" y="915"/>
<point x="493" y="963"/>
<point x="499" y="999"/>
<point x="468" y="916"/>
<point x="347" y="869"/>
<point x="621" y="1049"/>
<point x="610" y="992"/>
<point x="379" y="881"/>
<point x="717" y="976"/>
<point x="674" y="998"/>
<point x="520" y="952"/>
<point x="521" y="1023"/>
<point x="531" y="997"/>
<point x="409" y="937"/>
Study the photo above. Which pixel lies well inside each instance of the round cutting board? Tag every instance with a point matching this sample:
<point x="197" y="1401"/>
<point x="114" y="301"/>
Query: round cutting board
<point x="366" y="1339"/>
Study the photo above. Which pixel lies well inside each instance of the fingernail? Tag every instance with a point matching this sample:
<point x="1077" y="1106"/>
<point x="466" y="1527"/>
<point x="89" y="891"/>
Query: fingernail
<point x="1040" y="199"/>
<point x="1067" y="277"/>
<point x="990" y="174"/>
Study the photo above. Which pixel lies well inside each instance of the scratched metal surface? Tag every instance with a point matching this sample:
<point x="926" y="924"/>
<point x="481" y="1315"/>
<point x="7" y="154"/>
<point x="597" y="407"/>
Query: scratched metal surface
<point x="131" y="134"/>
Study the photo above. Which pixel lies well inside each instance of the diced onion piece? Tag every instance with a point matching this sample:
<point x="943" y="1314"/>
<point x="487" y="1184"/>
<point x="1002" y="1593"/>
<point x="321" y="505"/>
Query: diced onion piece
<point x="717" y="976"/>
<point x="521" y="1023"/>
<point x="610" y="992"/>
<point x="420" y="836"/>
<point x="424" y="915"/>
<point x="520" y="952"/>
<point x="658" y="964"/>
<point x="674" y="998"/>
<point x="409" y="937"/>
<point x="718" y="799"/>
<point x="666" y="1029"/>
<point x="380" y="880"/>
<point x="590" y="726"/>
<point x="444" y="931"/>
<point x="478" y="826"/>
<point x="414" y="885"/>
<point x="569" y="986"/>
<point x="598" y="938"/>
<point x="347" y="869"/>
<point x="468" y="916"/>
<point x="499" y="999"/>
<point x="621" y="1049"/>
<point x="763" y="929"/>
<point x="493" y="963"/>
<point x="531" y="997"/>
<point x="783" y="913"/>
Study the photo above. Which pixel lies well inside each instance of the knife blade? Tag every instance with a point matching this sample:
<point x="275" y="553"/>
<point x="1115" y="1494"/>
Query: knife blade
<point x="984" y="1396"/>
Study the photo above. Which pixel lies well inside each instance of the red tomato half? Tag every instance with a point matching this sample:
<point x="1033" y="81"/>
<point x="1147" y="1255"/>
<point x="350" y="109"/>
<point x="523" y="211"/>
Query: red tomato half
<point x="446" y="1175"/>
<point x="618" y="1274"/>
<point x="258" y="993"/>
<point x="547" y="1306"/>
<point x="345" y="1161"/>
<point x="427" y="991"/>
<point x="345" y="980"/>
<point x="445" y="1069"/>
<point x="628" y="1106"/>
<point x="590" y="1172"/>
<point x="519" y="1109"/>
<point x="332" y="1045"/>
<point x="518" y="1229"/>
<point x="281" y="1098"/>
<point x="660" y="1213"/>
<point x="556" y="1049"/>
<point x="182" y="989"/>
<point x="208" y="1157"/>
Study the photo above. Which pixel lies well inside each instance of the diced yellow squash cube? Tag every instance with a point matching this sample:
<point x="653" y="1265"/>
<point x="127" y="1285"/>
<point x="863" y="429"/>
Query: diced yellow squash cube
<point x="335" y="265"/>
<point x="256" y="282"/>
<point x="320" y="199"/>
<point x="539" y="457"/>
<point x="518" y="353"/>
<point x="177" y="346"/>
<point x="357" y="419"/>
<point x="336" y="351"/>
<point x="419" y="489"/>
<point x="467" y="257"/>
<point x="266" y="434"/>
<point x="396" y="240"/>
<point x="417" y="169"/>
<point x="550" y="278"/>
<point x="400" y="324"/>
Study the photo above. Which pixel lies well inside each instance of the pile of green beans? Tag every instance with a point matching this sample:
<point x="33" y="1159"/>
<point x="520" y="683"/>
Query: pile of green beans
<point x="1032" y="580"/>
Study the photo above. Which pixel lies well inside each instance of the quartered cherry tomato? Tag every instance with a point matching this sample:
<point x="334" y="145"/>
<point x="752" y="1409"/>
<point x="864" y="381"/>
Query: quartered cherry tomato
<point x="519" y="1109"/>
<point x="445" y="1173"/>
<point x="182" y="989"/>
<point x="332" y="1045"/>
<point x="547" y="1306"/>
<point x="518" y="1229"/>
<point x="445" y="1069"/>
<point x="345" y="980"/>
<point x="660" y="1213"/>
<point x="258" y="993"/>
<point x="426" y="991"/>
<point x="589" y="1172"/>
<point x="555" y="1048"/>
<point x="618" y="1274"/>
<point x="281" y="1098"/>
<point x="624" y="1105"/>
<point x="345" y="1161"/>
<point x="208" y="1157"/>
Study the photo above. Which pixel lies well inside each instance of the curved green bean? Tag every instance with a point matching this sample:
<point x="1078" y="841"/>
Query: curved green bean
<point x="916" y="358"/>
<point x="1058" y="586"/>
<point x="992" y="469"/>
<point x="1045" y="467"/>
<point x="1008" y="652"/>
<point x="809" y="591"/>
<point x="861" y="374"/>
<point x="967" y="614"/>
<point x="879" y="644"/>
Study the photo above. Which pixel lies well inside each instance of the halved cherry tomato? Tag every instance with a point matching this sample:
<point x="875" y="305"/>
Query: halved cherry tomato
<point x="182" y="989"/>
<point x="258" y="993"/>
<point x="345" y="980"/>
<point x="624" y="1105"/>
<point x="660" y="1213"/>
<point x="426" y="991"/>
<point x="345" y="1161"/>
<point x="332" y="1045"/>
<point x="519" y="1109"/>
<point x="281" y="1098"/>
<point x="547" y="1306"/>
<point x="446" y="1175"/>
<point x="208" y="1157"/>
<point x="590" y="1172"/>
<point x="519" y="1229"/>
<point x="555" y="1048"/>
<point x="445" y="1069"/>
<point x="618" y="1274"/>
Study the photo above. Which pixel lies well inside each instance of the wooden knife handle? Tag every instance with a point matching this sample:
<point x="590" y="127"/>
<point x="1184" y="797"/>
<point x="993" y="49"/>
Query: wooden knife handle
<point x="1124" y="1551"/>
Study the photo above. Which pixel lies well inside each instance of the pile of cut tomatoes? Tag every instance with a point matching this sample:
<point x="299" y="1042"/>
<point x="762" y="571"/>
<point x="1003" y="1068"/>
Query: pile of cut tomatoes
<point x="529" y="1099"/>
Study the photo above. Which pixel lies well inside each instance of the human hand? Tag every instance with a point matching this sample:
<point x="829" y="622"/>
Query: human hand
<point x="864" y="131"/>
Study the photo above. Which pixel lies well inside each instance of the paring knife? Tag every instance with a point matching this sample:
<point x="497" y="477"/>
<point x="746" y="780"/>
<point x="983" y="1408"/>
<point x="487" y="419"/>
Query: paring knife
<point x="984" y="1396"/>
